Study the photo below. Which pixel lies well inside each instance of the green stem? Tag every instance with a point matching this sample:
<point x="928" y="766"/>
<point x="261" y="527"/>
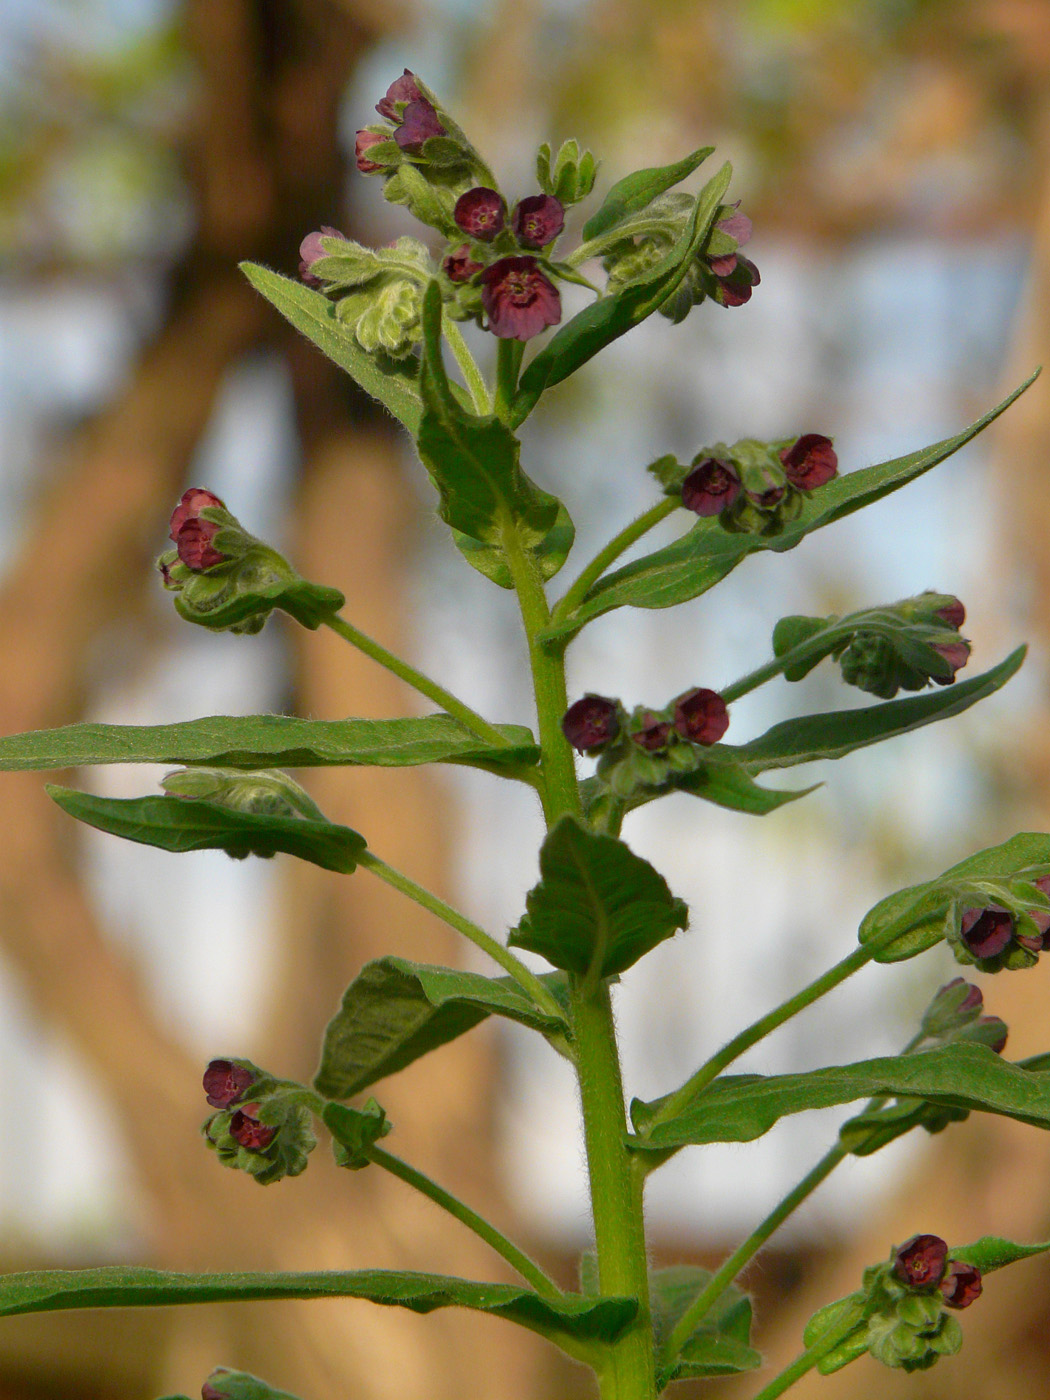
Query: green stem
<point x="835" y="1333"/>
<point x="526" y="979"/>
<point x="508" y="365"/>
<point x="819" y="646"/>
<point x="516" y="1258"/>
<point x="752" y="1034"/>
<point x="475" y="380"/>
<point x="470" y="719"/>
<point x="612" y="551"/>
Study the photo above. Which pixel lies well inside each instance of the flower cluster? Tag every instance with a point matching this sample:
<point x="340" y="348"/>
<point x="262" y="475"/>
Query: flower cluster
<point x="754" y="487"/>
<point x="269" y="1136"/>
<point x="1009" y="931"/>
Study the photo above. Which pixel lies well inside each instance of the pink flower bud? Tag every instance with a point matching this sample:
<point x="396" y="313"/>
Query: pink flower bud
<point x="956" y="654"/>
<point x="591" y="723"/>
<point x="363" y="142"/>
<point x="403" y="89"/>
<point x="480" y="213"/>
<point x="459" y="266"/>
<point x="193" y="502"/>
<point x="192" y="535"/>
<point x="710" y="487"/>
<point x="953" y="613"/>
<point x="810" y="462"/>
<point x="248" y="1132"/>
<point x="920" y="1261"/>
<point x="419" y="123"/>
<point x="225" y="1082"/>
<point x="701" y="716"/>
<point x="538" y="220"/>
<point x="310" y="251"/>
<point x="961" y="1285"/>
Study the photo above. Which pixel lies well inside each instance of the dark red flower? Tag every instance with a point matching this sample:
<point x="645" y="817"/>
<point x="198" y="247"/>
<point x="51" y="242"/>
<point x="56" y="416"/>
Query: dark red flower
<point x="953" y="613"/>
<point x="459" y="266"/>
<point x="192" y="535"/>
<point x="364" y="141"/>
<point x="810" y="462"/>
<point x="420" y="122"/>
<point x="920" y="1261"/>
<point x="225" y="1082"/>
<point x="653" y="735"/>
<point x="711" y="486"/>
<point x="538" y="220"/>
<point x="986" y="932"/>
<point x="310" y="250"/>
<point x="735" y="287"/>
<point x="519" y="300"/>
<point x="961" y="1285"/>
<point x="403" y="89"/>
<point x="249" y="1132"/>
<point x="956" y="654"/>
<point x="591" y="723"/>
<point x="480" y="212"/>
<point x="701" y="716"/>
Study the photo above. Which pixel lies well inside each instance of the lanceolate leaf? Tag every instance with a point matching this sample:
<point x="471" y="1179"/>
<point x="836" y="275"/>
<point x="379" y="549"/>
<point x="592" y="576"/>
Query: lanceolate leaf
<point x="395" y="1011"/>
<point x="180" y="824"/>
<point x="393" y="382"/>
<point x="990" y="1252"/>
<point x="598" y="907"/>
<point x="912" y="920"/>
<point x="267" y="741"/>
<point x="572" y="1322"/>
<point x="706" y="554"/>
<point x="637" y="190"/>
<point x="841" y="732"/>
<point x="612" y="316"/>
<point x="739" y="1108"/>
<point x="474" y="463"/>
<point x="720" y="1345"/>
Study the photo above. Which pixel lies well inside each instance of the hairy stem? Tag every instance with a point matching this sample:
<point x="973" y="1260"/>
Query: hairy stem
<point x="508" y="365"/>
<point x="526" y="979"/>
<point x="612" y="551"/>
<point x="472" y="375"/>
<point x="516" y="1258"/>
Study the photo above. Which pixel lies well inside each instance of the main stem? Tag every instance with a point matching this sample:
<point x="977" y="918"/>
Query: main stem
<point x="616" y="1194"/>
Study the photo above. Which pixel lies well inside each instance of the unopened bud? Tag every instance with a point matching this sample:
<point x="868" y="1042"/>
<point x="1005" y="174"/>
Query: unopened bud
<point x="961" y="1285"/>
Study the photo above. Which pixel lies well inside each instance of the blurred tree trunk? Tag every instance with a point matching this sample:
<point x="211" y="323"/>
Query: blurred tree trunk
<point x="266" y="167"/>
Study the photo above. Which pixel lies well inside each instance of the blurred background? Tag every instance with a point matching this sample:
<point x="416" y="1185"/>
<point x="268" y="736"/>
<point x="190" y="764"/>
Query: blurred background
<point x="894" y="156"/>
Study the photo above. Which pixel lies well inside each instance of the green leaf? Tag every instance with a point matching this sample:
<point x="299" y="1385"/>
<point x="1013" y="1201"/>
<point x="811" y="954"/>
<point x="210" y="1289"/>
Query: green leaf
<point x="846" y="1318"/>
<point x="239" y="1385"/>
<point x="268" y="741"/>
<point x="474" y="464"/>
<point x="991" y="1252"/>
<point x="720" y="779"/>
<point x="740" y="1108"/>
<point x="572" y="1322"/>
<point x="598" y="907"/>
<point x="707" y="554"/>
<point x="910" y="921"/>
<point x="550" y="554"/>
<point x="637" y="190"/>
<point x="391" y="381"/>
<point x="394" y="1011"/>
<point x="356" y="1131"/>
<point x="179" y="824"/>
<point x="834" y="735"/>
<point x="612" y="316"/>
<point x="720" y="1345"/>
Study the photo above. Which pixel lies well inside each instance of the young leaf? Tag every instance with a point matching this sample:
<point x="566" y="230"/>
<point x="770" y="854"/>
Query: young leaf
<point x="740" y="1108"/>
<point x="391" y="381"/>
<point x="912" y="920"/>
<point x="578" y="1325"/>
<point x="598" y="907"/>
<point x="991" y="1252"/>
<point x="474" y="464"/>
<point x="267" y="741"/>
<point x="637" y="190"/>
<point x="720" y="1345"/>
<point x="180" y="824"/>
<point x="836" y="734"/>
<point x="706" y="554"/>
<point x="612" y="316"/>
<point x="239" y="1385"/>
<point x="395" y="1011"/>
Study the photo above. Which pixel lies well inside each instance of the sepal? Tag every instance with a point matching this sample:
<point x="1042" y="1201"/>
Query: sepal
<point x="354" y="1132"/>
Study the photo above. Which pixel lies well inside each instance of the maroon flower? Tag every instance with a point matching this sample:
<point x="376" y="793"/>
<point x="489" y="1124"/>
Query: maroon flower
<point x="920" y="1261"/>
<point x="246" y="1130"/>
<point x="420" y="122"/>
<point x="225" y="1082"/>
<point x="591" y="723"/>
<point x="973" y="998"/>
<point x="365" y="141"/>
<point x="480" y="212"/>
<point x="956" y="654"/>
<point x="986" y="932"/>
<point x="711" y="486"/>
<point x="653" y="735"/>
<point x="810" y="462"/>
<point x="519" y="299"/>
<point x="538" y="220"/>
<point x="192" y="535"/>
<point x="403" y="89"/>
<point x="310" y="250"/>
<point x="953" y="613"/>
<point x="459" y="266"/>
<point x="961" y="1285"/>
<point x="701" y="716"/>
